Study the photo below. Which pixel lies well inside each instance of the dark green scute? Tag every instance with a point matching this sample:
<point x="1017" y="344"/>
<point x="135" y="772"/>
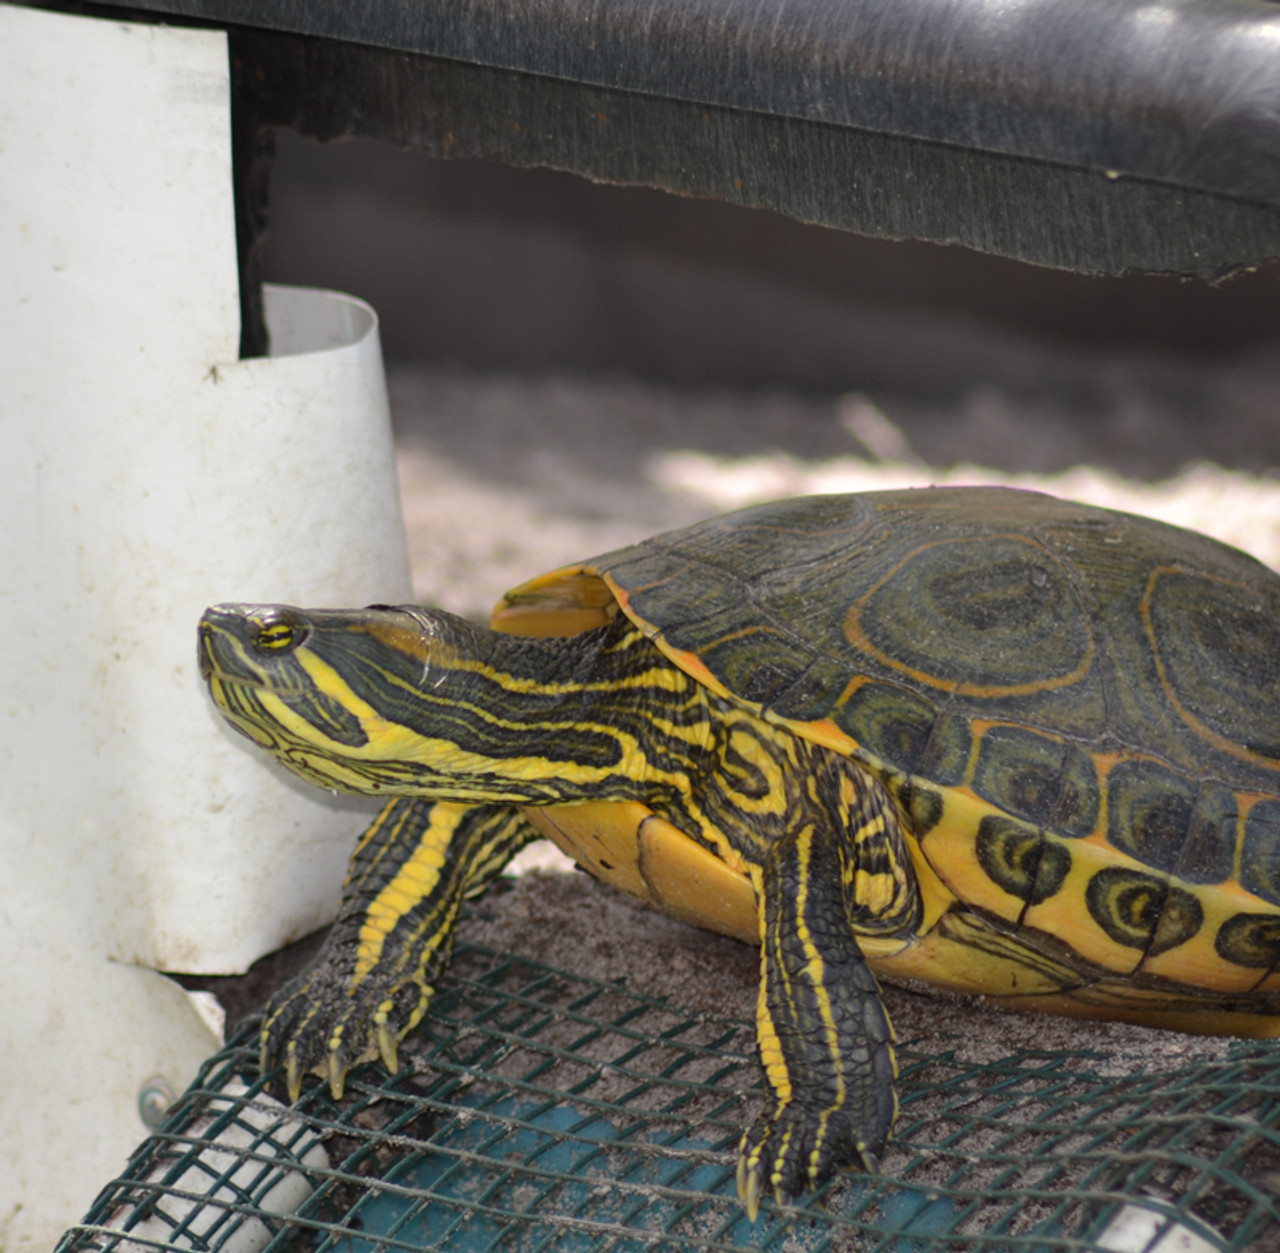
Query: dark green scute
<point x="814" y="692"/>
<point x="701" y="600"/>
<point x="709" y="616"/>
<point x="1220" y="645"/>
<point x="758" y="669"/>
<point x="1149" y="811"/>
<point x="1251" y="940"/>
<point x="812" y="530"/>
<point x="1021" y="859"/>
<point x="890" y="722"/>
<point x="991" y="611"/>
<point x="1142" y="911"/>
<point x="922" y="805"/>
<point x="1260" y="856"/>
<point x="946" y="753"/>
<point x="1044" y="780"/>
<point x="1208" y="852"/>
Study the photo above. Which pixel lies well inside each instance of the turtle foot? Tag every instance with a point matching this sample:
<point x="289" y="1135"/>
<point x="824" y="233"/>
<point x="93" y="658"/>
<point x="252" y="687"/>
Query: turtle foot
<point x="323" y="1022"/>
<point x="795" y="1149"/>
<point x="374" y="978"/>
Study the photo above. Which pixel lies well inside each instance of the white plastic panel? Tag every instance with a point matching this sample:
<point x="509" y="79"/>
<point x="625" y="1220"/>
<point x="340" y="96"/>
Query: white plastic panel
<point x="146" y="473"/>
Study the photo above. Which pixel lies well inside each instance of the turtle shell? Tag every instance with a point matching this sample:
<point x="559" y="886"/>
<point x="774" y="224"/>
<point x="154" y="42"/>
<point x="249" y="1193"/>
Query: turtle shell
<point x="1077" y="710"/>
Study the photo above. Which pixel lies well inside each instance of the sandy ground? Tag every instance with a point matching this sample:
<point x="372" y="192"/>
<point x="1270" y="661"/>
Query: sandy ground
<point x="504" y="477"/>
<point x="571" y="921"/>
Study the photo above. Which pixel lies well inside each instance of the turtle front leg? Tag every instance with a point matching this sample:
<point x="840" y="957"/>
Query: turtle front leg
<point x="824" y="1036"/>
<point x="372" y="981"/>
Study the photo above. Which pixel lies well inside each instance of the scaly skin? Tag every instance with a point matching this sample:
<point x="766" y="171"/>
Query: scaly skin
<point x="423" y="707"/>
<point x="374" y="978"/>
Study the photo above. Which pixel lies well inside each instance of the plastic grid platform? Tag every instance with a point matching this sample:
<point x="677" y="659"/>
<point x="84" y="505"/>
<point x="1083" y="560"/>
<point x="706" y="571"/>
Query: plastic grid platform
<point x="542" y="1110"/>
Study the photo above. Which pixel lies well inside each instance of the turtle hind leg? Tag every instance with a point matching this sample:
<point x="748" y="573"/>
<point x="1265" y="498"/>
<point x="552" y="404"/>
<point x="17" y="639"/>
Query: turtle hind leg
<point x="824" y="1035"/>
<point x="372" y="981"/>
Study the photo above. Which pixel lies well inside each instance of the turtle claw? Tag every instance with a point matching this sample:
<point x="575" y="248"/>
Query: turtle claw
<point x="293" y="1076"/>
<point x="388" y="1048"/>
<point x="748" y="1182"/>
<point x="338" y="1067"/>
<point x="766" y="1166"/>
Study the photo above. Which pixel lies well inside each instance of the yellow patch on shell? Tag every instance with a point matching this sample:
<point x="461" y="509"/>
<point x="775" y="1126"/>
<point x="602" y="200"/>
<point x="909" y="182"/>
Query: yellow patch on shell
<point x="1064" y="914"/>
<point x="567" y="601"/>
<point x="625" y="844"/>
<point x="941" y="961"/>
<point x="951" y="854"/>
<point x="1197" y="961"/>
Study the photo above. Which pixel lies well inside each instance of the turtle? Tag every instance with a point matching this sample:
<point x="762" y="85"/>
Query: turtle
<point x="977" y="738"/>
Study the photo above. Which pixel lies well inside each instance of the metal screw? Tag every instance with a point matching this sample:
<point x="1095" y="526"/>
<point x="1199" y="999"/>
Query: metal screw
<point x="154" y="1100"/>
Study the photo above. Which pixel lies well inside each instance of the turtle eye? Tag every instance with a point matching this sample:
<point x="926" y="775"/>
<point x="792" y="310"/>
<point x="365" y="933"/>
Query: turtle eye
<point x="276" y="635"/>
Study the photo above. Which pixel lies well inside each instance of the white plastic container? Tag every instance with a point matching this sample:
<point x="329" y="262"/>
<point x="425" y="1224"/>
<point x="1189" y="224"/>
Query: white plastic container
<point x="144" y="474"/>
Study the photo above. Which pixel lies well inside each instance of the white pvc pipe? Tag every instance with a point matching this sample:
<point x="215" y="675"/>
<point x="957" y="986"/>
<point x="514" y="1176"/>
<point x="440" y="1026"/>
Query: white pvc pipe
<point x="145" y="473"/>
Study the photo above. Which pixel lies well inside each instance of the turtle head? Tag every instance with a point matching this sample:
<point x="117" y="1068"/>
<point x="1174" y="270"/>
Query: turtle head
<point x="344" y="698"/>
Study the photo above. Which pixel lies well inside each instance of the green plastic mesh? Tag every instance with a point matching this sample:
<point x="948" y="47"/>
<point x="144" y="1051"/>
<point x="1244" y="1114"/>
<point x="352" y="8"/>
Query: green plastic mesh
<point x="541" y="1110"/>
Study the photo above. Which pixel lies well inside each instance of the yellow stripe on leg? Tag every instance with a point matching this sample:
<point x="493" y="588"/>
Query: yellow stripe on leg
<point x="815" y="969"/>
<point x="775" y="1064"/>
<point x="413" y="883"/>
